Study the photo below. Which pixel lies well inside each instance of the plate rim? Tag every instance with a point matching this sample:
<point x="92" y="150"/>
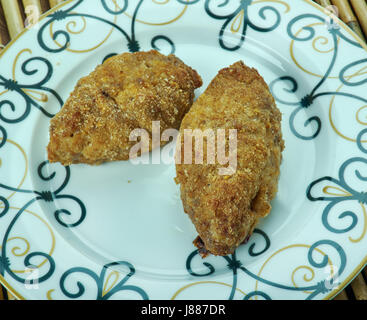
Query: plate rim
<point x="334" y="292"/>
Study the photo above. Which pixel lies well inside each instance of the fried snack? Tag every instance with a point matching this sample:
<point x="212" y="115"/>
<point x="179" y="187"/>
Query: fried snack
<point x="126" y="92"/>
<point x="226" y="209"/>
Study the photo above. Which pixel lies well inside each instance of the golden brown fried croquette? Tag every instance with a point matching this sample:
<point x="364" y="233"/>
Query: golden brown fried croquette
<point x="226" y="209"/>
<point x="126" y="92"/>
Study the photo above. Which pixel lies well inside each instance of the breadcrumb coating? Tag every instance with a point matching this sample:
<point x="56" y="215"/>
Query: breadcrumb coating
<point x="126" y="92"/>
<point x="226" y="209"/>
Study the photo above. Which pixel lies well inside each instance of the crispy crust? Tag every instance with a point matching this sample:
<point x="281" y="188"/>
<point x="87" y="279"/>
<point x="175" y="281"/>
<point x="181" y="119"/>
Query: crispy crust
<point x="226" y="209"/>
<point x="127" y="92"/>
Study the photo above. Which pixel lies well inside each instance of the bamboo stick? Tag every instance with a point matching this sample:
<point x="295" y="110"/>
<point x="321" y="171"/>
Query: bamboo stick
<point x="55" y="2"/>
<point x="35" y="3"/>
<point x="1" y="294"/>
<point x="21" y="8"/>
<point x="360" y="288"/>
<point x="10" y="296"/>
<point x="13" y="17"/>
<point x="347" y="15"/>
<point x="4" y="35"/>
<point x="360" y="8"/>
<point x="33" y="11"/>
<point x="324" y="3"/>
<point x="329" y="7"/>
<point x="45" y="5"/>
<point x="341" y="296"/>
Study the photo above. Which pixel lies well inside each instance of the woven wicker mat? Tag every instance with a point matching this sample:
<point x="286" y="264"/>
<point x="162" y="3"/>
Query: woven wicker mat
<point x="352" y="12"/>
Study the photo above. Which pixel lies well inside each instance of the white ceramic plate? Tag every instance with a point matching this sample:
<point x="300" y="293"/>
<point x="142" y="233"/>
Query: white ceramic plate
<point x="118" y="231"/>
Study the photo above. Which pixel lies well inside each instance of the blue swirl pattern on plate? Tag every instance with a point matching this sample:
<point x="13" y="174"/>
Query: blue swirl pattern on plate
<point x="214" y="10"/>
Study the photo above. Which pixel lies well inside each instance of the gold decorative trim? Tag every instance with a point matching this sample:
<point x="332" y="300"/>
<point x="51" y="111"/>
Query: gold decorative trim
<point x="314" y="46"/>
<point x="49" y="293"/>
<point x="298" y="268"/>
<point x="352" y="275"/>
<point x="79" y="32"/>
<point x="203" y="282"/>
